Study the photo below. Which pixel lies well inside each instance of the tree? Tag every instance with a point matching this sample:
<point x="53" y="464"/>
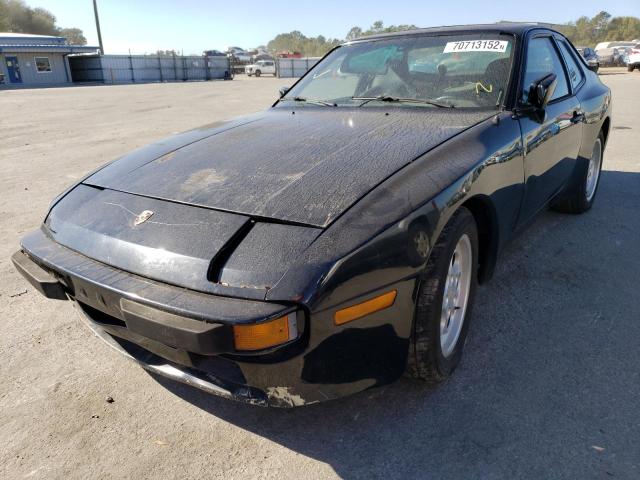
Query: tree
<point x="16" y="16"/>
<point x="584" y="31"/>
<point x="4" y="17"/>
<point x="377" y="27"/>
<point x="23" y="19"/>
<point x="297" y="42"/>
<point x="74" y="36"/>
<point x="587" y="31"/>
<point x="43" y="22"/>
<point x="354" y="33"/>
<point x="601" y="21"/>
<point x="623" y="28"/>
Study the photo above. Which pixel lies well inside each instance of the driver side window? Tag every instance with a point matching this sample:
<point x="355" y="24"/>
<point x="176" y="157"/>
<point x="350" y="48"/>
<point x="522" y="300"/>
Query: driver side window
<point x="542" y="58"/>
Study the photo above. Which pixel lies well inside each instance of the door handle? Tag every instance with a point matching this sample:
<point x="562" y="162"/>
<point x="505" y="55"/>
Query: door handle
<point x="578" y="116"/>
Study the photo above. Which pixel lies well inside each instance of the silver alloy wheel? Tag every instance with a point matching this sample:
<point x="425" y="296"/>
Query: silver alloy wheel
<point x="593" y="173"/>
<point x="455" y="295"/>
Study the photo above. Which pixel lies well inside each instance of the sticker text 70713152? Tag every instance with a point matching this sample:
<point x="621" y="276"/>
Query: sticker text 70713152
<point x="476" y="46"/>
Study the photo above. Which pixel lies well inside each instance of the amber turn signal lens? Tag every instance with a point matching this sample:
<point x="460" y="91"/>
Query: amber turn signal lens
<point x="258" y="336"/>
<point x="365" y="308"/>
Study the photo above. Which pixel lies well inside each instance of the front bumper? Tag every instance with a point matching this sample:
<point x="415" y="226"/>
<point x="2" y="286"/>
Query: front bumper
<point x="174" y="332"/>
<point x="186" y="335"/>
<point x="159" y="366"/>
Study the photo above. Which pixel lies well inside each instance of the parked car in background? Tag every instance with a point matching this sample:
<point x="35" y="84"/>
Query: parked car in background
<point x="610" y="53"/>
<point x="335" y="241"/>
<point x="214" y="53"/>
<point x="590" y="57"/>
<point x="239" y="54"/>
<point x="260" y="68"/>
<point x="615" y="43"/>
<point x="261" y="56"/>
<point x="607" y="56"/>
<point x="632" y="59"/>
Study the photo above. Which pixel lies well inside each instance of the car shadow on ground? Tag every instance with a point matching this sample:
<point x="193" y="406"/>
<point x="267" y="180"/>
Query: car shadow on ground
<point x="549" y="384"/>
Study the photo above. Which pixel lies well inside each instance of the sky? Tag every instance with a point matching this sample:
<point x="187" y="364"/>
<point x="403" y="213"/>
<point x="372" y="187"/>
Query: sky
<point x="192" y="26"/>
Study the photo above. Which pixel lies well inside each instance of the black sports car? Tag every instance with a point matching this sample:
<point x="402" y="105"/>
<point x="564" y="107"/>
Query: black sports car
<point x="334" y="241"/>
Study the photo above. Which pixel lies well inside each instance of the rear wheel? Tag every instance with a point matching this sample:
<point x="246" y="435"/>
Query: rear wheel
<point x="580" y="196"/>
<point x="629" y="68"/>
<point x="445" y="297"/>
<point x="258" y="72"/>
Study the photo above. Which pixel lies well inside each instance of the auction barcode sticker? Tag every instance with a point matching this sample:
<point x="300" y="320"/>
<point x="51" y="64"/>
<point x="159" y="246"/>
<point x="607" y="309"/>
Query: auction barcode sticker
<point x="476" y="46"/>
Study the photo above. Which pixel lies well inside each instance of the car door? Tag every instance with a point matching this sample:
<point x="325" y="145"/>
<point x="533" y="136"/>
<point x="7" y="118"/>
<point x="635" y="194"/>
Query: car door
<point x="551" y="138"/>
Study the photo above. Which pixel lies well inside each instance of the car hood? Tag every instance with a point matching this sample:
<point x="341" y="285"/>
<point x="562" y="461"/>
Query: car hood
<point x="303" y="166"/>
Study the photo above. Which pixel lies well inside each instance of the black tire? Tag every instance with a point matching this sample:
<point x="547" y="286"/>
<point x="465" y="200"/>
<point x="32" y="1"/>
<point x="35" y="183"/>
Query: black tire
<point x="258" y="72"/>
<point x="575" y="199"/>
<point x="629" y="68"/>
<point x="426" y="361"/>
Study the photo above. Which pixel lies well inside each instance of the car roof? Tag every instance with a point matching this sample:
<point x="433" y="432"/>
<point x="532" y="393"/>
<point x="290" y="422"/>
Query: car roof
<point x="514" y="28"/>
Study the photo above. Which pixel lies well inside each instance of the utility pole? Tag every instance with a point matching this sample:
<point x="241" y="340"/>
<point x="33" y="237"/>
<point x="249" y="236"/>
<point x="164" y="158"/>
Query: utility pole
<point x="95" y="12"/>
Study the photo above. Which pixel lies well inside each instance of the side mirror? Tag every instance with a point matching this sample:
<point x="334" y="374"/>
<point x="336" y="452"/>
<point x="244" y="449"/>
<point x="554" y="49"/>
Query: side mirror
<point x="283" y="91"/>
<point x="593" y="66"/>
<point x="542" y="90"/>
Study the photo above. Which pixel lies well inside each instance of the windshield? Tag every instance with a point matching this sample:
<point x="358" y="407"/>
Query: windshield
<point x="455" y="71"/>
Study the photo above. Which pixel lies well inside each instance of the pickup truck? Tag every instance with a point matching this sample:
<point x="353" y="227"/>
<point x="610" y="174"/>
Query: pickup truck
<point x="260" y="67"/>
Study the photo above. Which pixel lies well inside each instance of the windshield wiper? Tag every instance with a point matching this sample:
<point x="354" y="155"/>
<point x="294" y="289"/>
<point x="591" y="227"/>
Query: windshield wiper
<point x="388" y="98"/>
<point x="314" y="102"/>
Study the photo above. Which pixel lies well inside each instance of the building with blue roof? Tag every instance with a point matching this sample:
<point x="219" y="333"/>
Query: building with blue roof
<point x="36" y="60"/>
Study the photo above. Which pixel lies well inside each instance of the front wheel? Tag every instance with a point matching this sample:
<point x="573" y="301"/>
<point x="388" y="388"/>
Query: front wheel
<point x="581" y="194"/>
<point x="258" y="72"/>
<point x="445" y="297"/>
<point x="629" y="68"/>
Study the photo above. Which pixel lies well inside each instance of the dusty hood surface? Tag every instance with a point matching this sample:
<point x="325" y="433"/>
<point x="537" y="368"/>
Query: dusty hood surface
<point x="306" y="167"/>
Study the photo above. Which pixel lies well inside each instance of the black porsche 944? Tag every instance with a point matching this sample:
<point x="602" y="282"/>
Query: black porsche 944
<point x="335" y="241"/>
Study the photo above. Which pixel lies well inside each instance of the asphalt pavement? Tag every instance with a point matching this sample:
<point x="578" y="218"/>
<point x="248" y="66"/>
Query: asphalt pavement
<point x="549" y="386"/>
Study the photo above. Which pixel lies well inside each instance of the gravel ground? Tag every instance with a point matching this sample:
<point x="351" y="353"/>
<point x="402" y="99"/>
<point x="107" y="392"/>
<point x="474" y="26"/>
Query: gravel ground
<point x="549" y="386"/>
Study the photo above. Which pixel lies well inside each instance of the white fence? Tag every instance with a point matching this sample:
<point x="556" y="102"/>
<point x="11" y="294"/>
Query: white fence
<point x="295" y="67"/>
